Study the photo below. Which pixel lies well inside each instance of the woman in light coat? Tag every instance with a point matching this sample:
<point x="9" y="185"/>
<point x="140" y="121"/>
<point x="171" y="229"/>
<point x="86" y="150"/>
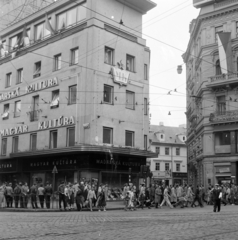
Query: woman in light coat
<point x="173" y="198"/>
<point x="158" y="194"/>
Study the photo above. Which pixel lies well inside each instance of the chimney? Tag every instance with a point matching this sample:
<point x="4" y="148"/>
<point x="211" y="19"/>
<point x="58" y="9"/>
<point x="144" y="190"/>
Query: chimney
<point x="161" y="124"/>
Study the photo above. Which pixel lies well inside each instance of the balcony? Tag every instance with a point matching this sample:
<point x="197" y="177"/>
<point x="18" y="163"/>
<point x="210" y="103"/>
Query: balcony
<point x="226" y="116"/>
<point x="223" y="80"/>
<point x="34" y="115"/>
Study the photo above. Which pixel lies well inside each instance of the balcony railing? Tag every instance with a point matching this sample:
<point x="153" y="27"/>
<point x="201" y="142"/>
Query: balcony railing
<point x="226" y="116"/>
<point x="34" y="115"/>
<point x="223" y="77"/>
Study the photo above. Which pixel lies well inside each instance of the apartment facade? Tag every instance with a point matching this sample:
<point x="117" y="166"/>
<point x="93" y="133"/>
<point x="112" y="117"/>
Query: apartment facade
<point x="211" y="67"/>
<point x="74" y="93"/>
<point x="170" y="164"/>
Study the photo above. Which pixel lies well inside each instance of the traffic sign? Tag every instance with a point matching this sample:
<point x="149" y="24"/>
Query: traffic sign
<point x="55" y="170"/>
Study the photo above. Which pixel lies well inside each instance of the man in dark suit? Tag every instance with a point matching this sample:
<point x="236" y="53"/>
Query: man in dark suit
<point x="48" y="194"/>
<point x="216" y="193"/>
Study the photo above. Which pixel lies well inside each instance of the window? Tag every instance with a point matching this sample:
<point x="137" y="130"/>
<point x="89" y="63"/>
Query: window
<point x="71" y="17"/>
<point x="218" y="67"/>
<point x="6" y="108"/>
<point x="109" y="55"/>
<point x="53" y="139"/>
<point x="37" y="70"/>
<point x="221" y="105"/>
<point x="3" y="50"/>
<point x="130" y="63"/>
<point x="157" y="150"/>
<point x="177" y="151"/>
<point x="8" y="80"/>
<point x="55" y="99"/>
<point x="236" y="29"/>
<point x="17" y="109"/>
<point x="57" y="62"/>
<point x="108" y="94"/>
<point x="70" y="137"/>
<point x="33" y="142"/>
<point x="19" y="76"/>
<point x="15" y="41"/>
<point x="218" y="30"/>
<point x="145" y="106"/>
<point x="146" y="72"/>
<point x="34" y="113"/>
<point x="166" y="151"/>
<point x="129" y="139"/>
<point x="145" y="142"/>
<point x="107" y="135"/>
<point x="222" y="138"/>
<point x="177" y="167"/>
<point x="72" y="94"/>
<point x="15" y="141"/>
<point x="166" y="166"/>
<point x="162" y="136"/>
<point x="74" y="56"/>
<point x="157" y="166"/>
<point x="130" y="100"/>
<point x="4" y="146"/>
<point x="40" y="31"/>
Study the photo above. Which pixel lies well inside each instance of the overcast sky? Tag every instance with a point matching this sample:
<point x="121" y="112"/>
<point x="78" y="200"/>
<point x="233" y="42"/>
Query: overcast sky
<point x="169" y="23"/>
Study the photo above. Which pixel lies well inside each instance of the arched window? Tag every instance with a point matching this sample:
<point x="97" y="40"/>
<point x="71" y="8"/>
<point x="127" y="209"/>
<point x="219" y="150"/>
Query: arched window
<point x="218" y="67"/>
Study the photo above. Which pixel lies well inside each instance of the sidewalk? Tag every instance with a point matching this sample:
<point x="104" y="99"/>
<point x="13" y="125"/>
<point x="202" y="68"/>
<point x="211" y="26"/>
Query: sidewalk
<point x="117" y="205"/>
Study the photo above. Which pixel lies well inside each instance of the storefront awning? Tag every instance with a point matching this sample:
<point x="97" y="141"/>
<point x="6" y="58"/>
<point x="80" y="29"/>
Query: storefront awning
<point x="86" y="148"/>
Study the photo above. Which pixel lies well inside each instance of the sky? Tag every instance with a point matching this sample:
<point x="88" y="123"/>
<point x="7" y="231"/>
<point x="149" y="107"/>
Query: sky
<point x="169" y="23"/>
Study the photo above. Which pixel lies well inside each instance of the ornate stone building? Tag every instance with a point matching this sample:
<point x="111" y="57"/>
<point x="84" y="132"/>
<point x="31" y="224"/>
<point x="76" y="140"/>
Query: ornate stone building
<point x="212" y="98"/>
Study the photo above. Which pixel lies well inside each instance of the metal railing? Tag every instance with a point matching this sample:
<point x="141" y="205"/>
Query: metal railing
<point x="224" y="77"/>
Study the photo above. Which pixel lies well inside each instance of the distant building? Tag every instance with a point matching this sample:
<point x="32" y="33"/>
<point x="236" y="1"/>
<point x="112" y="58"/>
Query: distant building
<point x="171" y="163"/>
<point x="212" y="93"/>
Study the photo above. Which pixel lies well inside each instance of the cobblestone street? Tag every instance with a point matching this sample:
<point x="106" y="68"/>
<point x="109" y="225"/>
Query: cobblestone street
<point x="191" y="223"/>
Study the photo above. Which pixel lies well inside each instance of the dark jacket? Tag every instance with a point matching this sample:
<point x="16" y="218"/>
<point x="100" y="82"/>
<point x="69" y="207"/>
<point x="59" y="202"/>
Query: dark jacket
<point x="215" y="194"/>
<point x="48" y="190"/>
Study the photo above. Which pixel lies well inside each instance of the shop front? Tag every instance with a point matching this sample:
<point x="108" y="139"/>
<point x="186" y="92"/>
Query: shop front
<point x="8" y="171"/>
<point x="162" y="177"/>
<point x="223" y="173"/>
<point x="180" y="178"/>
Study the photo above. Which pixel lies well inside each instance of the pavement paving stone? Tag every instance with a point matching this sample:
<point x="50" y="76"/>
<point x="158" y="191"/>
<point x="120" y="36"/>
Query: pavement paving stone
<point x="166" y="224"/>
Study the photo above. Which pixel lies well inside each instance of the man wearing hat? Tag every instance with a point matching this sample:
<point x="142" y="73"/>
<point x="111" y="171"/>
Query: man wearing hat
<point x="62" y="195"/>
<point x="33" y="192"/>
<point x="217" y="195"/>
<point x="17" y="193"/>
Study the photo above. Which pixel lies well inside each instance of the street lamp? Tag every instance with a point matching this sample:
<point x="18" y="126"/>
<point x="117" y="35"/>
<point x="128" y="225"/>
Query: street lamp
<point x="179" y="69"/>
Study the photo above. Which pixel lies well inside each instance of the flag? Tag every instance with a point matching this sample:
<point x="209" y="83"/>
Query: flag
<point x="25" y="38"/>
<point x="225" y="51"/>
<point x="48" y="25"/>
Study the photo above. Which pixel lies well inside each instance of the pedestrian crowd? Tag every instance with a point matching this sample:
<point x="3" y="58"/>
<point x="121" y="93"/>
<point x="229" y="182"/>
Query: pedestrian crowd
<point x="84" y="195"/>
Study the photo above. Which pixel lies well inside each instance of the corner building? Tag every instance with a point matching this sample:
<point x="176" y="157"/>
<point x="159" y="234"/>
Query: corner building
<point x="75" y="96"/>
<point x="211" y="67"/>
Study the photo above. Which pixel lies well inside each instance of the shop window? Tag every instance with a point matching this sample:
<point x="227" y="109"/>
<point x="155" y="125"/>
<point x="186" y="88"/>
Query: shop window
<point x="130" y="139"/>
<point x="15" y="141"/>
<point x="70" y="137"/>
<point x="107" y="135"/>
<point x="157" y="150"/>
<point x="33" y="142"/>
<point x="130" y="63"/>
<point x="221" y="105"/>
<point x="177" y="151"/>
<point x="74" y="56"/>
<point x="145" y="142"/>
<point x="145" y="106"/>
<point x="6" y="110"/>
<point x="57" y="62"/>
<point x="8" y="80"/>
<point x="72" y="94"/>
<point x="4" y="146"/>
<point x="108" y="94"/>
<point x="19" y="76"/>
<point x="37" y="70"/>
<point x="145" y="71"/>
<point x="166" y="166"/>
<point x="17" y="109"/>
<point x="177" y="167"/>
<point x="222" y="138"/>
<point x="130" y="100"/>
<point x="109" y="55"/>
<point x="53" y="139"/>
<point x="157" y="166"/>
<point x="166" y="151"/>
<point x="55" y="99"/>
